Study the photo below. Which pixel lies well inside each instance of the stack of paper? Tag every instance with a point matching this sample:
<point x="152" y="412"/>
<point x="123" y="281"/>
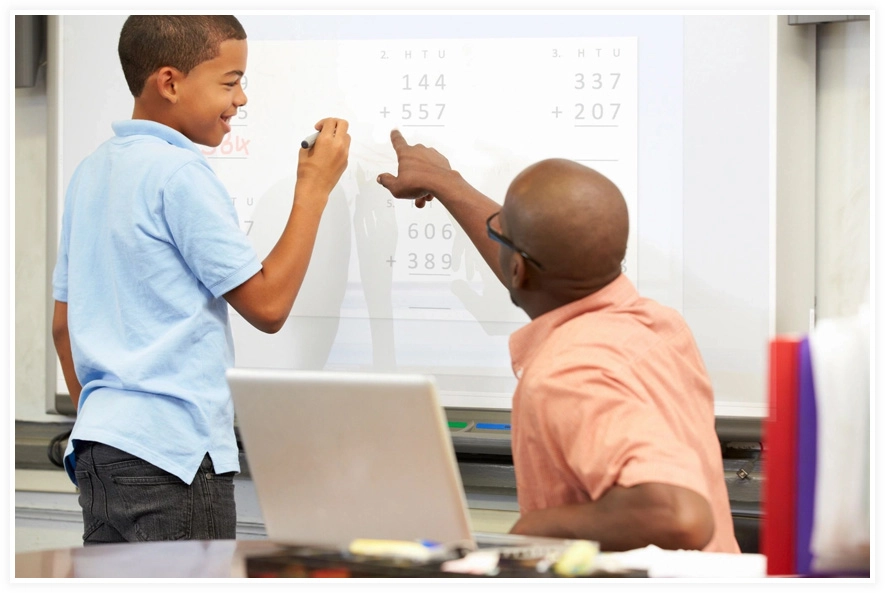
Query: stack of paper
<point x="840" y="353"/>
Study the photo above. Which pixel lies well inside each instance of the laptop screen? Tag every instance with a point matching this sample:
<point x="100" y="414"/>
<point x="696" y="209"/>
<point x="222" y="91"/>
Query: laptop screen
<point x="339" y="456"/>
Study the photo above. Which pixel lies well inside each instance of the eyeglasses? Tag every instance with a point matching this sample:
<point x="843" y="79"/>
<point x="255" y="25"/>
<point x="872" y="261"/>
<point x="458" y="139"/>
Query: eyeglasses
<point x="496" y="236"/>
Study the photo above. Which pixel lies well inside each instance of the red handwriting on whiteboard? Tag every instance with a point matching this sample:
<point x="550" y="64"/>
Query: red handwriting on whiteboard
<point x="232" y="147"/>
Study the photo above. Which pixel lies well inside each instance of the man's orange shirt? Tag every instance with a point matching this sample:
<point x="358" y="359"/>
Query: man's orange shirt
<point x="613" y="391"/>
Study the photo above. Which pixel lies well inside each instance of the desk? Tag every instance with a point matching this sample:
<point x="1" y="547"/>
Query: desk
<point x="227" y="559"/>
<point x="216" y="559"/>
<point x="173" y="559"/>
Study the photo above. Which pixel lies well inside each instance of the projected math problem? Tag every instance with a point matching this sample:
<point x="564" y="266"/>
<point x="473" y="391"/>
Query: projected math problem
<point x="491" y="106"/>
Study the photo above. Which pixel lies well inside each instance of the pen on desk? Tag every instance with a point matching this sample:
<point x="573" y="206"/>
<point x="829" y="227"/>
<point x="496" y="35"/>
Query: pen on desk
<point x="310" y="140"/>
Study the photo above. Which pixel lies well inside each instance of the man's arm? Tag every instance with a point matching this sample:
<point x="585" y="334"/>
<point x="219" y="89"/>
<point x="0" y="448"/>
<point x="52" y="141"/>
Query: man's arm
<point x="669" y="517"/>
<point x="423" y="174"/>
<point x="266" y="299"/>
<point x="62" y="340"/>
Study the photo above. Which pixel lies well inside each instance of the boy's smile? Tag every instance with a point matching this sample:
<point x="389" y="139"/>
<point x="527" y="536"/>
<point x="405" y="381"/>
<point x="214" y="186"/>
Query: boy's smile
<point x="210" y="94"/>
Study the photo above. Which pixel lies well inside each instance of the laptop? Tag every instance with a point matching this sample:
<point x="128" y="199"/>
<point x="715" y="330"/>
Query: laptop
<point x="338" y="456"/>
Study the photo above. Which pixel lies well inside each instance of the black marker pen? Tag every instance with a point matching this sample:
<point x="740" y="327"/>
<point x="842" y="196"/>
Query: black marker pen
<point x="310" y="140"/>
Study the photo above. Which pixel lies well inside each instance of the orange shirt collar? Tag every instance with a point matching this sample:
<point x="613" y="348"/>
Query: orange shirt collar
<point x="525" y="341"/>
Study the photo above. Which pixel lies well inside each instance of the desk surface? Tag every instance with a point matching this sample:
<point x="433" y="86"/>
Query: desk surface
<point x="227" y="558"/>
<point x="174" y="559"/>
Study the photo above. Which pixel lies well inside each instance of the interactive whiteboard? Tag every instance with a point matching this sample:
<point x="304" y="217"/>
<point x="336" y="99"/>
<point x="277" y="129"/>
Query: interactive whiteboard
<point x="675" y="110"/>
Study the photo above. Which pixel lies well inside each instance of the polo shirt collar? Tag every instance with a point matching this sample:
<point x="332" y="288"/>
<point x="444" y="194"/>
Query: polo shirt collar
<point x="527" y="340"/>
<point x="146" y="127"/>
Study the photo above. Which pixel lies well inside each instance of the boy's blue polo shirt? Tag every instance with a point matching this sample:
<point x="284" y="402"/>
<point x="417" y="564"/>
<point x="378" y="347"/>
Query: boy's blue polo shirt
<point x="150" y="242"/>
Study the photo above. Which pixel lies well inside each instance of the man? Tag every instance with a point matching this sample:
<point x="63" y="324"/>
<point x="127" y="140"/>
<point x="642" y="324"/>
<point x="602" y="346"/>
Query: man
<point x="613" y="426"/>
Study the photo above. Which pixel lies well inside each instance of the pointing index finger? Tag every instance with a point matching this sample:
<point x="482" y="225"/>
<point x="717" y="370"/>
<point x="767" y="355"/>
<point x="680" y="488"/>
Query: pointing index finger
<point x="396" y="138"/>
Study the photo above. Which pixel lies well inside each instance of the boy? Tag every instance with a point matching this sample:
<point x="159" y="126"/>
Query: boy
<point x="150" y="256"/>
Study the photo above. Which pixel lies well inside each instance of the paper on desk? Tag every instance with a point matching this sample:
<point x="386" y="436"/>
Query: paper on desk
<point x="840" y="355"/>
<point x="481" y="562"/>
<point x="683" y="563"/>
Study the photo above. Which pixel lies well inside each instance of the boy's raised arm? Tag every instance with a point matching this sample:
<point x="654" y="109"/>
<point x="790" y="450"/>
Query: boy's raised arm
<point x="266" y="299"/>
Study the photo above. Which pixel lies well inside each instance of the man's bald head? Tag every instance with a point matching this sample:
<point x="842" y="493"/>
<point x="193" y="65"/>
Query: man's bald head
<point x="572" y="219"/>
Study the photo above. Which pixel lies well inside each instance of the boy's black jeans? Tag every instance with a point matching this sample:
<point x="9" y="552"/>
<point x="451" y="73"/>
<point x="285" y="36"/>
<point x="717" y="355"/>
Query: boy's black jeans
<point x="126" y="499"/>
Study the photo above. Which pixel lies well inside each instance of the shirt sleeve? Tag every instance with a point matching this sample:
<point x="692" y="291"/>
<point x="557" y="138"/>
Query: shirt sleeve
<point x="203" y="223"/>
<point x="60" y="272"/>
<point x="607" y="434"/>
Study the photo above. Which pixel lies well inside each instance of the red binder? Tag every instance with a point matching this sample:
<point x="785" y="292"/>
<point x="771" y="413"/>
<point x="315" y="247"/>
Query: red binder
<point x="777" y="538"/>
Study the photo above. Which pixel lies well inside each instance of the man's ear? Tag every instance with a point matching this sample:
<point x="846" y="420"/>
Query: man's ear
<point x="517" y="271"/>
<point x="166" y="80"/>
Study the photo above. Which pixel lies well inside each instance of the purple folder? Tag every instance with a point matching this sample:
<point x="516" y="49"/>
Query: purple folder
<point x="806" y="460"/>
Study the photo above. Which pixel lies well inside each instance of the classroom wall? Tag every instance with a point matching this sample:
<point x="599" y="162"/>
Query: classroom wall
<point x="843" y="168"/>
<point x="842" y="187"/>
<point x="32" y="342"/>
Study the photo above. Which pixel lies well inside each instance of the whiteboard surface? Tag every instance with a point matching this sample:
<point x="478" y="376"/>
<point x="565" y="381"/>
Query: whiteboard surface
<point x="675" y="110"/>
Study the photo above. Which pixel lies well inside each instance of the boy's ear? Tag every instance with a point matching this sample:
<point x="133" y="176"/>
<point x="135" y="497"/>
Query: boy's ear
<point x="166" y="80"/>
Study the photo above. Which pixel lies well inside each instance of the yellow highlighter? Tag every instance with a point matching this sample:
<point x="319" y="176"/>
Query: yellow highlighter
<point x="577" y="560"/>
<point x="416" y="551"/>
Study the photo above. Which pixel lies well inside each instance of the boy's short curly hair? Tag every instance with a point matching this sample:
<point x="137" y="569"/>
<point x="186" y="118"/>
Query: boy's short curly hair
<point x="150" y="42"/>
